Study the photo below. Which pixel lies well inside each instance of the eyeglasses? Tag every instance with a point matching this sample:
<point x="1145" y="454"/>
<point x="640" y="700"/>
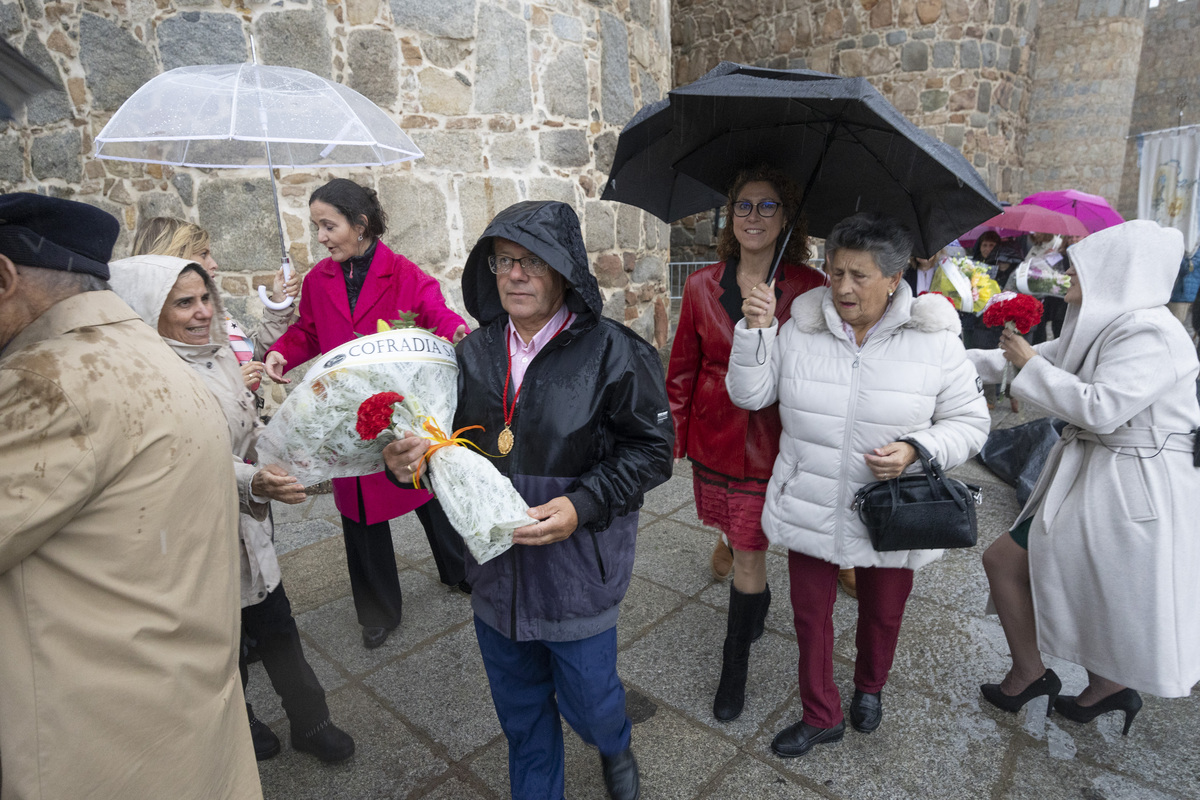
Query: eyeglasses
<point x="531" y="265"/>
<point x="766" y="208"/>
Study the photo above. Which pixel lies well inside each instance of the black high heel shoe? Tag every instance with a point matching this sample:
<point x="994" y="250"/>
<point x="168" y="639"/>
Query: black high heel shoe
<point x="1048" y="684"/>
<point x="1126" y="700"/>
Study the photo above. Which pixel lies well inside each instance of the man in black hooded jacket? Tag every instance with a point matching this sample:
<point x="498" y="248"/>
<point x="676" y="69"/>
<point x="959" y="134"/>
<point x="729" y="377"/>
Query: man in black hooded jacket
<point x="576" y="407"/>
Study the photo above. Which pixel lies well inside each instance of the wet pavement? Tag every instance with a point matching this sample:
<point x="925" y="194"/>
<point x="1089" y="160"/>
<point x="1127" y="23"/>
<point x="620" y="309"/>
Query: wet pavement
<point x="422" y="716"/>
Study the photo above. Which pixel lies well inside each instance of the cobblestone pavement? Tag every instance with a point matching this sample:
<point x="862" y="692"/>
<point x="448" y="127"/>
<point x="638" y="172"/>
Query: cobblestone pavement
<point x="421" y="713"/>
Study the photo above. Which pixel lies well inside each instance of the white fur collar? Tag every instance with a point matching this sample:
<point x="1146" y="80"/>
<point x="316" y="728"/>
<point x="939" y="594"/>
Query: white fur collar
<point x="813" y="311"/>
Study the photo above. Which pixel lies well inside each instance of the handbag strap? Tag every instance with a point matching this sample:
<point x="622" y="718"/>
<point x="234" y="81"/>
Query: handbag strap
<point x="935" y="474"/>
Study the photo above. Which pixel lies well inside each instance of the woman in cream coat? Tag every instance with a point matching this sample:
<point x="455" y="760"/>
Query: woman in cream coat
<point x="1109" y="578"/>
<point x="860" y="367"/>
<point x="178" y="298"/>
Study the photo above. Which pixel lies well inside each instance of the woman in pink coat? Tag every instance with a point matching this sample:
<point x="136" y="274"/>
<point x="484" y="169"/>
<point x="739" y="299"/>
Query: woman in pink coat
<point x="362" y="282"/>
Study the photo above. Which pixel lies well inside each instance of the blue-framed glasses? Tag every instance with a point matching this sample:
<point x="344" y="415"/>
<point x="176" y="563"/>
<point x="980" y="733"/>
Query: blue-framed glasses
<point x="766" y="208"/>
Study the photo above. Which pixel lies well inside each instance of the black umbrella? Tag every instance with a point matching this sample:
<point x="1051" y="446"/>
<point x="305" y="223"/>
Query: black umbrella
<point x="846" y="146"/>
<point x="19" y="80"/>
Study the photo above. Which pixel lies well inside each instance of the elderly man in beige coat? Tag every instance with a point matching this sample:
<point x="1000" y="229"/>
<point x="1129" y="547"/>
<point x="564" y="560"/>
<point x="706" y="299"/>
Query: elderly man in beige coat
<point x="118" y="537"/>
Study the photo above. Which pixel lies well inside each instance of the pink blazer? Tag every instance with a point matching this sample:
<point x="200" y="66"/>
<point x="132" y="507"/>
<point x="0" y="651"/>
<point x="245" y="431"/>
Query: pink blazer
<point x="394" y="284"/>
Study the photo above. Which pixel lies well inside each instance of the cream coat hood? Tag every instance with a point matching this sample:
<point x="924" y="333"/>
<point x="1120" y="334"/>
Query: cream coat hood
<point x="1128" y="267"/>
<point x="145" y="281"/>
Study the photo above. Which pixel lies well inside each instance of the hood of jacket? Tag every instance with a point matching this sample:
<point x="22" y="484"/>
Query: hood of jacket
<point x="814" y="312"/>
<point x="145" y="281"/>
<point x="549" y="230"/>
<point x="1128" y="267"/>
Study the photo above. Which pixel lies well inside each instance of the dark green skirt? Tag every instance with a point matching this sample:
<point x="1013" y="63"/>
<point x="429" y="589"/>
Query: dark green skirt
<point x="1020" y="534"/>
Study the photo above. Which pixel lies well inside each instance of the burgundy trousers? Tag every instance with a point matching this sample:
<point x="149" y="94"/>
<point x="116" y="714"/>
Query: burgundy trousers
<point x="882" y="593"/>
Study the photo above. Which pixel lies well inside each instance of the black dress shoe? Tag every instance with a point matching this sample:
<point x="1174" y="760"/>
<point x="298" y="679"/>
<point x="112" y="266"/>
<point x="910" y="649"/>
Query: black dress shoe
<point x="326" y="741"/>
<point x="1126" y="700"/>
<point x="621" y="775"/>
<point x="266" y="743"/>
<point x="1048" y="684"/>
<point x="374" y="636"/>
<point x="463" y="586"/>
<point x="798" y="739"/>
<point x="866" y="710"/>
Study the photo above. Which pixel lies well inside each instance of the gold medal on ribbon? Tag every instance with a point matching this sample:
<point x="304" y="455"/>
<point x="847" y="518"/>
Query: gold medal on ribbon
<point x="505" y="442"/>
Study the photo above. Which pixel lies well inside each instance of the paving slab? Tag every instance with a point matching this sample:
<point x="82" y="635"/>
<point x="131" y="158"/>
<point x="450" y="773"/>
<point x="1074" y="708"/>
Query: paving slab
<point x="679" y="665"/>
<point x="390" y="761"/>
<point x="923" y="749"/>
<point x="443" y="690"/>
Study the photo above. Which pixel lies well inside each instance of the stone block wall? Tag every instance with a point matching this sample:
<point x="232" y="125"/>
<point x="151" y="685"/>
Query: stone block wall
<point x="1083" y="93"/>
<point x="957" y="68"/>
<point x="1168" y="84"/>
<point x="509" y="101"/>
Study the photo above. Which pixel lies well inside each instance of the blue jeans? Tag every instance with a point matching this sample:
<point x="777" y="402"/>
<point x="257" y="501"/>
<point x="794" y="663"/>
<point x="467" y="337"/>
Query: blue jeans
<point x="532" y="683"/>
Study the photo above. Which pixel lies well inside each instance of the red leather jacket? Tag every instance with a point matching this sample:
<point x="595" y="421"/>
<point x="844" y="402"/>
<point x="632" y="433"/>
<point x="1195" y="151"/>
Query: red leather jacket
<point x="709" y="428"/>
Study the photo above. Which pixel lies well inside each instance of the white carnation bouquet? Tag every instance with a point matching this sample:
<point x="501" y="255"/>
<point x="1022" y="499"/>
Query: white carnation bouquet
<point x="362" y="395"/>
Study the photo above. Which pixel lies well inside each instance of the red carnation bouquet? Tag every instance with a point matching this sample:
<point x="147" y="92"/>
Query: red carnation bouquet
<point x="1017" y="313"/>
<point x="375" y="414"/>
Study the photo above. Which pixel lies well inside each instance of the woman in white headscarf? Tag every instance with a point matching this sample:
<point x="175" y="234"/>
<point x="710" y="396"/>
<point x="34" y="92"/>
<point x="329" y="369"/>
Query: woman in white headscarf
<point x="178" y="298"/>
<point x="1100" y="567"/>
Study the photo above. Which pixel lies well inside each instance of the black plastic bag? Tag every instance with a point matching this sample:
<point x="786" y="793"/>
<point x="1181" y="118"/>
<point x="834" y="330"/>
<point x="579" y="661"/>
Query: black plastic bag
<point x="1018" y="454"/>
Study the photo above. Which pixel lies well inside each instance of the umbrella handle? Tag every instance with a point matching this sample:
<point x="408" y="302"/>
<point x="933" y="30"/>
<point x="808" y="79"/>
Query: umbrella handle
<point x="781" y="248"/>
<point x="266" y="299"/>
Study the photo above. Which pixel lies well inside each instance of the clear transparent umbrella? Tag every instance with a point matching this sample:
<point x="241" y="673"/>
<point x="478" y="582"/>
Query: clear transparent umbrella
<point x="247" y="115"/>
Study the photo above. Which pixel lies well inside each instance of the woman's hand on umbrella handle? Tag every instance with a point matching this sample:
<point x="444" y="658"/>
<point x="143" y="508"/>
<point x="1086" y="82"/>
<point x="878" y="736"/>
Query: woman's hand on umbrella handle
<point x="275" y="364"/>
<point x="759" y="307"/>
<point x="891" y="460"/>
<point x="285" y="286"/>
<point x="1016" y="350"/>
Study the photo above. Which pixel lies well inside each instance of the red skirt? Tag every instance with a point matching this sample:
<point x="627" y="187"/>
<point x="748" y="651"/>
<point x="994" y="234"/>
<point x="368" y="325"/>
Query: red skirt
<point x="732" y="506"/>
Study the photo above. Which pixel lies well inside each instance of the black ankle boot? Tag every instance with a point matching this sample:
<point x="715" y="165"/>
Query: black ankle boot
<point x="746" y="611"/>
<point x="326" y="741"/>
<point x="266" y="743"/>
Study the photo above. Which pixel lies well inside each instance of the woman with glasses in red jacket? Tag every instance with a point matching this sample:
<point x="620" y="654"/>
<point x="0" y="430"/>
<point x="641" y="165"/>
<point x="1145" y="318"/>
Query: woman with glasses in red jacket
<point x="733" y="450"/>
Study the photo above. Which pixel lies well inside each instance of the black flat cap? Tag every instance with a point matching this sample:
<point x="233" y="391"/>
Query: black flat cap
<point x="39" y="231"/>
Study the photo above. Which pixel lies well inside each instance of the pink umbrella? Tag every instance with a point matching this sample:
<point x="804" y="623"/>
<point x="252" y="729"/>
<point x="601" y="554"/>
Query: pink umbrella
<point x="1090" y="209"/>
<point x="1016" y="220"/>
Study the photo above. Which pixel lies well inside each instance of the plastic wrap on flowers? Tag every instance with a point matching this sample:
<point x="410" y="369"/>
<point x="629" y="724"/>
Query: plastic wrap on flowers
<point x="967" y="283"/>
<point x="1039" y="277"/>
<point x="315" y="433"/>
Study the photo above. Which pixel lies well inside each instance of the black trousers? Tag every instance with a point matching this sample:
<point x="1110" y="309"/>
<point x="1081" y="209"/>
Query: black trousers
<point x="371" y="561"/>
<point x="271" y="625"/>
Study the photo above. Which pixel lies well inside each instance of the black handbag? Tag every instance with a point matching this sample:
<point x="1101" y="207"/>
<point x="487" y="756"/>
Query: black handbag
<point x="919" y="512"/>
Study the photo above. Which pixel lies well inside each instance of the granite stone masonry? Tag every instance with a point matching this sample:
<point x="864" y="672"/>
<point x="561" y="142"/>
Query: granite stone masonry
<point x="1168" y="84"/>
<point x="1037" y="94"/>
<point x="1083" y="94"/>
<point x="510" y="101"/>
<point x="937" y="61"/>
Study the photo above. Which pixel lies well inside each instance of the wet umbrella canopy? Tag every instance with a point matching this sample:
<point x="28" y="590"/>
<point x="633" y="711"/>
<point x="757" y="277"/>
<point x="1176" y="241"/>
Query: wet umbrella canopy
<point x="19" y="80"/>
<point x="241" y="115"/>
<point x="1090" y="209"/>
<point x="847" y="148"/>
<point x="246" y="115"/>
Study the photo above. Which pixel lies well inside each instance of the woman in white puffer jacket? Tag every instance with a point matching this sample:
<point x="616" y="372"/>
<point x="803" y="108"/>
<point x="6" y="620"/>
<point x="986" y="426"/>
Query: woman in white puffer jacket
<point x="861" y="366"/>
